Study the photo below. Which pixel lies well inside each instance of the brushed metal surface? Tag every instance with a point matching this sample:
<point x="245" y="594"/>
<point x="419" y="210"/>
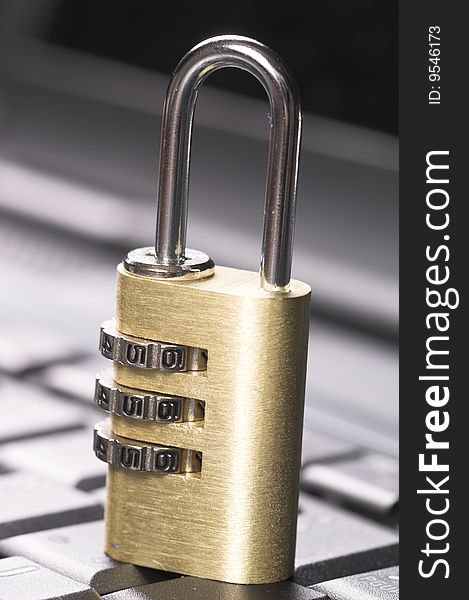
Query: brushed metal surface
<point x="235" y="520"/>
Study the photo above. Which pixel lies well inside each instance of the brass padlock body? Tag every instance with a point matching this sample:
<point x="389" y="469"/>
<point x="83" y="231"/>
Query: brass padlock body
<point x="234" y="521"/>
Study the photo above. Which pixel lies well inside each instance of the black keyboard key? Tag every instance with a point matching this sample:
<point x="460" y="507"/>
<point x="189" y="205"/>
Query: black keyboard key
<point x="369" y="481"/>
<point x="332" y="542"/>
<point x="77" y="552"/>
<point x="64" y="457"/>
<point x="22" y="579"/>
<point x="29" y="411"/>
<point x="192" y="588"/>
<point x="30" y="503"/>
<point x="375" y="585"/>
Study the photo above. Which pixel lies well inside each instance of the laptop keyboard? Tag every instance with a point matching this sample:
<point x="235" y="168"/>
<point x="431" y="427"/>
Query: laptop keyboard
<point x="52" y="490"/>
<point x="52" y="495"/>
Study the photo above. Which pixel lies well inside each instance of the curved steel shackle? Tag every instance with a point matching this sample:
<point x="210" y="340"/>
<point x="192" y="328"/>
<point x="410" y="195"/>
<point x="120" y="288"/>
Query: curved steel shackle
<point x="282" y="171"/>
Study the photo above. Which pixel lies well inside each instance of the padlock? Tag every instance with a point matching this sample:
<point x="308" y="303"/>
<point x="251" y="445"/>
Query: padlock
<point x="206" y="397"/>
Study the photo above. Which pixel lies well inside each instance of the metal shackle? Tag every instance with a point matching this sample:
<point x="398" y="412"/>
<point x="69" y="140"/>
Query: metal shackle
<point x="282" y="170"/>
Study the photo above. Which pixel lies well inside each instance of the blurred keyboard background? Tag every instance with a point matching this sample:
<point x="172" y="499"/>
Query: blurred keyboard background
<point x="79" y="136"/>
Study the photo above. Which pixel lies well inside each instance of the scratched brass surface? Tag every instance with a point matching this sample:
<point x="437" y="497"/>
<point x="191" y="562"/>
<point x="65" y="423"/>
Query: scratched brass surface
<point x="236" y="520"/>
